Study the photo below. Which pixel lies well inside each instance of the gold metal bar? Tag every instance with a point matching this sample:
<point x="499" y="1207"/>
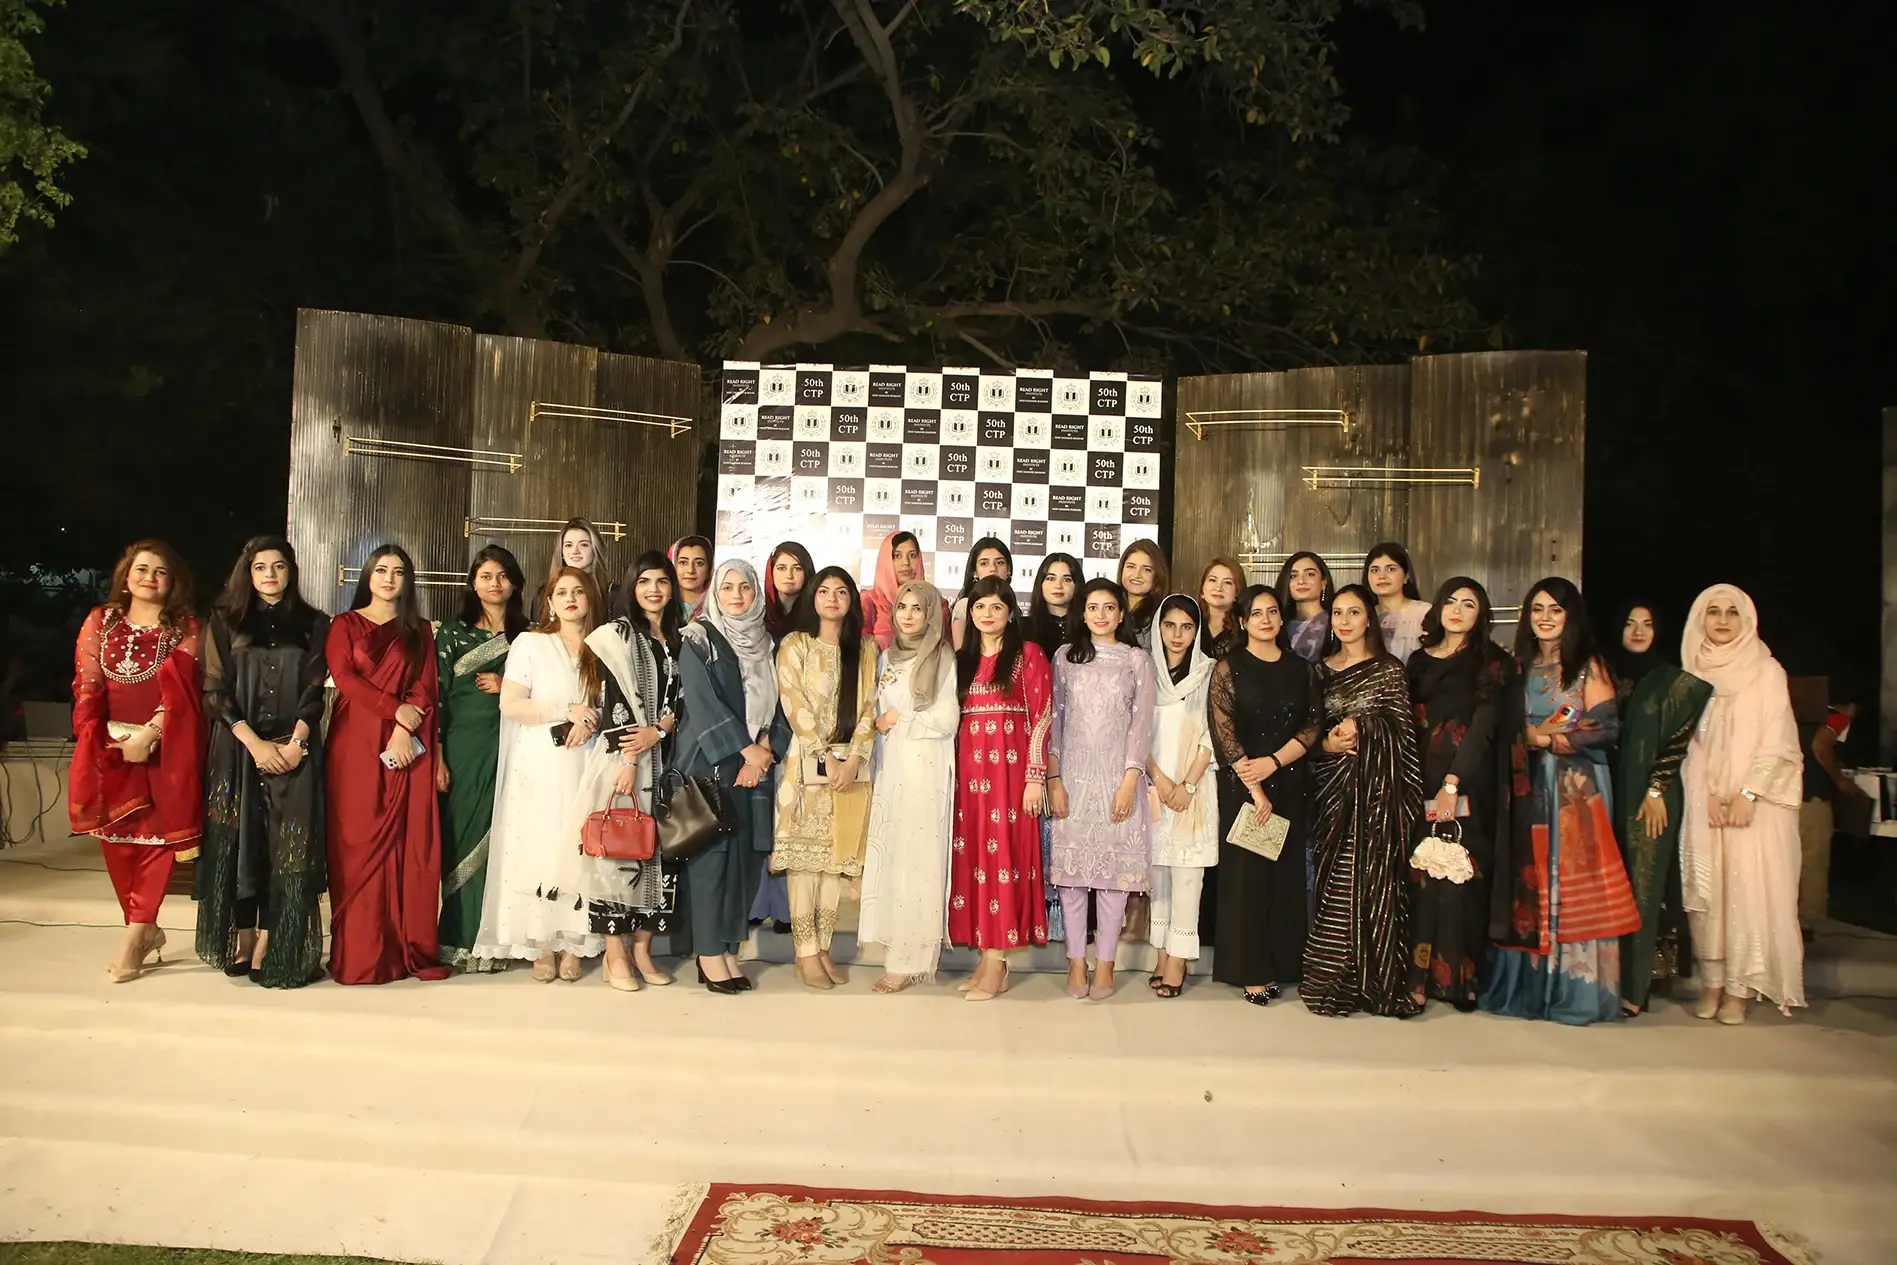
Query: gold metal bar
<point x="368" y="446"/>
<point x="538" y="526"/>
<point x="422" y="579"/>
<point x="1197" y="420"/>
<point x="1392" y="476"/>
<point x="673" y="423"/>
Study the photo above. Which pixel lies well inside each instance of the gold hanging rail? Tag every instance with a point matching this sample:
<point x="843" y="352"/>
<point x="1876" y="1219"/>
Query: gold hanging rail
<point x="673" y="424"/>
<point x="1198" y="419"/>
<point x="1392" y="476"/>
<point x="1278" y="557"/>
<point x="483" y="526"/>
<point x="369" y="446"/>
<point x="422" y="579"/>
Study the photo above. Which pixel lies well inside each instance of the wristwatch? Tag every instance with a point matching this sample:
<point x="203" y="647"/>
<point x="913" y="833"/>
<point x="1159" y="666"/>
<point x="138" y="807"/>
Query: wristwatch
<point x="298" y="742"/>
<point x="1750" y="795"/>
<point x="1654" y="792"/>
<point x="1192" y="788"/>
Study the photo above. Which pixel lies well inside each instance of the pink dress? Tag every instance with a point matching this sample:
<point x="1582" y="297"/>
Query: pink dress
<point x="996" y="893"/>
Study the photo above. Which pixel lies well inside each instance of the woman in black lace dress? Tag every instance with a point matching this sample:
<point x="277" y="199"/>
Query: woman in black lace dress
<point x="1263" y="704"/>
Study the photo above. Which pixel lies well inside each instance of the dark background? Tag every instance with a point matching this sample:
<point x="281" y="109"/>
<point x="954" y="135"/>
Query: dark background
<point x="1687" y="191"/>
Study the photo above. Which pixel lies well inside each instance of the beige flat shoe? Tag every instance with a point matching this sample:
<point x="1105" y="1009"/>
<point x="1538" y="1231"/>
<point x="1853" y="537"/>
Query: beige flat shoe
<point x="569" y="967"/>
<point x="1732" y="1011"/>
<point x="1708" y="1003"/>
<point x="545" y="970"/>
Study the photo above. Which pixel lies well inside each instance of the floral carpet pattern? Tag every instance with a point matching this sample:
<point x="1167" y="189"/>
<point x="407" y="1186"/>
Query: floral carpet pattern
<point x="794" y="1225"/>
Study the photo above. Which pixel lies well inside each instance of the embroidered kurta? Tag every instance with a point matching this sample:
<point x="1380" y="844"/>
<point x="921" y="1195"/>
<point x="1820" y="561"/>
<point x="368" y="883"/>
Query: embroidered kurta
<point x="819" y="831"/>
<point x="1102" y="728"/>
<point x="997" y="899"/>
<point x="911" y="813"/>
<point x="263" y="834"/>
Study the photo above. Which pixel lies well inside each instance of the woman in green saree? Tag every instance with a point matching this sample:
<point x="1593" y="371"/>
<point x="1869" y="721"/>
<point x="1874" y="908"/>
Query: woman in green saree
<point x="471" y="651"/>
<point x="1659" y="708"/>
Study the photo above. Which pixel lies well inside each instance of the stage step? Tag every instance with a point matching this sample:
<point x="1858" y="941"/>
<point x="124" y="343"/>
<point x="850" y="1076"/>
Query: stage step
<point x="499" y="1080"/>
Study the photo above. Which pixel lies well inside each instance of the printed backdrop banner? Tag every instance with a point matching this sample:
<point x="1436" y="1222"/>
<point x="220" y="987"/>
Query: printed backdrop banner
<point x="840" y="458"/>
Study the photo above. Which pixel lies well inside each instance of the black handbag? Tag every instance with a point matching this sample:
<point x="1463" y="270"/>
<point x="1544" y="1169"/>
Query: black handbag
<point x="691" y="812"/>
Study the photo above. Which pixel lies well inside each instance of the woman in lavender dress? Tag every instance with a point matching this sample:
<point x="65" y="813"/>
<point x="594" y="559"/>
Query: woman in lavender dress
<point x="1103" y="735"/>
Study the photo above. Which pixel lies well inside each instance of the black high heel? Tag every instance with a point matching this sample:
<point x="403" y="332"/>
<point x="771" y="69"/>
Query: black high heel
<point x="723" y="987"/>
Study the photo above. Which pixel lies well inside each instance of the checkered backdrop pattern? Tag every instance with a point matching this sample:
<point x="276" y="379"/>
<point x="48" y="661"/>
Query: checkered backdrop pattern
<point x="840" y="458"/>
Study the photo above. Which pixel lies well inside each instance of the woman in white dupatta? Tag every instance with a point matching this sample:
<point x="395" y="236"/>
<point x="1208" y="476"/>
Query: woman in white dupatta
<point x="1184" y="801"/>
<point x="1739" y="850"/>
<point x="912" y="796"/>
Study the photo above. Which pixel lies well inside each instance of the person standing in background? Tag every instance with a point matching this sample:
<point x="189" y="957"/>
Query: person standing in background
<point x="1219" y="583"/>
<point x="898" y="562"/>
<point x="987" y="557"/>
<point x="137" y="779"/>
<point x="261" y="874"/>
<point x="1145" y="577"/>
<point x="1388" y="573"/>
<point x="691" y="559"/>
<point x="785" y="574"/>
<point x="1050" y="625"/>
<point x="580" y="545"/>
<point x="1825" y="784"/>
<point x="1304" y="595"/>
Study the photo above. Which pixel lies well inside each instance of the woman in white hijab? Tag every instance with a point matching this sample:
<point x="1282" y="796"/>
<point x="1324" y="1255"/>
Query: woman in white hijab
<point x="1739" y="851"/>
<point x="1185" y="806"/>
<point x="912" y="796"/>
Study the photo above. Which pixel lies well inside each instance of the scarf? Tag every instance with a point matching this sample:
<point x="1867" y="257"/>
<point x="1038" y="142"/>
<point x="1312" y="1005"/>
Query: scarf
<point x="929" y="650"/>
<point x="1732" y="667"/>
<point x="1198" y="664"/>
<point x="881" y="608"/>
<point x="750" y="638"/>
<point x="1629" y="667"/>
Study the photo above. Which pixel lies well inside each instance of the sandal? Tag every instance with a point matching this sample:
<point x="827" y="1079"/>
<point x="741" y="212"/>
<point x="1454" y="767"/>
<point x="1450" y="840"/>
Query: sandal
<point x="892" y="983"/>
<point x="1164" y="989"/>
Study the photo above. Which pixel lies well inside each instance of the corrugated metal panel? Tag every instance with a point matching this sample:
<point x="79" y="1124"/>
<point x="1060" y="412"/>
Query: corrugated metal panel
<point x="1887" y="694"/>
<point x="416" y="382"/>
<point x="1239" y="490"/>
<point x="1521" y="418"/>
<point x="376" y="378"/>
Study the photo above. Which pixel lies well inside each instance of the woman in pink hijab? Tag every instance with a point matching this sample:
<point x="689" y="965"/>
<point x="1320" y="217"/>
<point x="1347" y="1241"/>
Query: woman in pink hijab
<point x="898" y="561"/>
<point x="1739" y="851"/>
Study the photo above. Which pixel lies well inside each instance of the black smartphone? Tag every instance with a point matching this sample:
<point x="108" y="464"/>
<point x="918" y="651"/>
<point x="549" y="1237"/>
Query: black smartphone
<point x="560" y="731"/>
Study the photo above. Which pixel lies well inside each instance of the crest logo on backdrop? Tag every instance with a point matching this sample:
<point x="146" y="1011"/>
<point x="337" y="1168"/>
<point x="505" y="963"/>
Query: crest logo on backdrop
<point x="839" y="458"/>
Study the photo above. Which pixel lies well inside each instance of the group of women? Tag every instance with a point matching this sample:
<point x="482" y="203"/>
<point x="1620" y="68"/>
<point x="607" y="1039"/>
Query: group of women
<point x="1540" y="833"/>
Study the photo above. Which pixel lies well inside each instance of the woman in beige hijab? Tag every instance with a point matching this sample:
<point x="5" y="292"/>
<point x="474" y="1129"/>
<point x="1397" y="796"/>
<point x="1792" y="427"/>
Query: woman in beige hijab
<point x="911" y="810"/>
<point x="1739" y="852"/>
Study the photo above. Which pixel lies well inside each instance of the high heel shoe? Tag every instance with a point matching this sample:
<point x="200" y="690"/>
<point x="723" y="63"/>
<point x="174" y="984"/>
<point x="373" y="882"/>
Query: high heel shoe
<point x="723" y="987"/>
<point x="982" y="994"/>
<point x="831" y="969"/>
<point x="157" y="946"/>
<point x="619" y="983"/>
<point x="654" y="977"/>
<point x="813" y="975"/>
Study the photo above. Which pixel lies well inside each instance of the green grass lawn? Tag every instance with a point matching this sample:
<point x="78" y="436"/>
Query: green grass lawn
<point x="125" y="1254"/>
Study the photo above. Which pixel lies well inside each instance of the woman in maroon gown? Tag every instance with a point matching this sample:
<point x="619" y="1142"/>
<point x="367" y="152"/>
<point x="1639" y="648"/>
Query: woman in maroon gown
<point x="383" y="833"/>
<point x="135" y="681"/>
<point x="997" y="899"/>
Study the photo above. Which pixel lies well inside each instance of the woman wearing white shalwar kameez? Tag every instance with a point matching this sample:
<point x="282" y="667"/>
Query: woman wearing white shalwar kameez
<point x="1183" y="797"/>
<point x="912" y="796"/>
<point x="1739" y="850"/>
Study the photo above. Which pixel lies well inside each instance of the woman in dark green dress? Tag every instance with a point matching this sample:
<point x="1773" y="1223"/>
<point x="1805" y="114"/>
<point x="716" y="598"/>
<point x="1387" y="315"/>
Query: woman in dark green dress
<point x="1660" y="707"/>
<point x="471" y="652"/>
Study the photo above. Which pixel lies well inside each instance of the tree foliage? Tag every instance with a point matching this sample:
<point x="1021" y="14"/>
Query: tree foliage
<point x="31" y="152"/>
<point x="1099" y="181"/>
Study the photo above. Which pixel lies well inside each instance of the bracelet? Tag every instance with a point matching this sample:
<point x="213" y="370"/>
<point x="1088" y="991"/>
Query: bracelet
<point x="298" y="742"/>
<point x="1051" y="777"/>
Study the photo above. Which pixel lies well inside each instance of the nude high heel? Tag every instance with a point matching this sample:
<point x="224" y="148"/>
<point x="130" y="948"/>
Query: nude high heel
<point x="982" y="994"/>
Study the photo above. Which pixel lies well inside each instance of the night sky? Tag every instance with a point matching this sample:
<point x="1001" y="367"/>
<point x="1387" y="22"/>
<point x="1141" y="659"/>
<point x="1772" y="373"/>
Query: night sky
<point x="1686" y="191"/>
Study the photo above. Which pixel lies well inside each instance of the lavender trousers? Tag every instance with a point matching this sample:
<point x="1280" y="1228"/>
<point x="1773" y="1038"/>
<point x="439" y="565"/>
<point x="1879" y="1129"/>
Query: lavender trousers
<point x="1110" y="911"/>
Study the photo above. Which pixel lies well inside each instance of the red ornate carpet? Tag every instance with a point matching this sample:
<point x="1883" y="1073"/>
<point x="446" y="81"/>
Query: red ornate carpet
<point x="796" y="1225"/>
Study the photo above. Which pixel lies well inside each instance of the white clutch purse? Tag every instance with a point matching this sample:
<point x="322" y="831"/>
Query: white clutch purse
<point x="1263" y="838"/>
<point x="119" y="731"/>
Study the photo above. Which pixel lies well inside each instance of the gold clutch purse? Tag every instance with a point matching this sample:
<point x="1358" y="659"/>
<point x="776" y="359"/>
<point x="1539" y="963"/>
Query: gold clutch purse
<point x="119" y="731"/>
<point x="1262" y="838"/>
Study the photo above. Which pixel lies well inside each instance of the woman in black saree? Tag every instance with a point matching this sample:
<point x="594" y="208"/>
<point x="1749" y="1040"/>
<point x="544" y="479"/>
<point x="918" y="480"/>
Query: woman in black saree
<point x="1367" y="796"/>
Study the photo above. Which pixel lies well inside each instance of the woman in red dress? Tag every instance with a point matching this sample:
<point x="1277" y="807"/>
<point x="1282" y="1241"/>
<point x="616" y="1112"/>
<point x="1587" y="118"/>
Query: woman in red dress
<point x="997" y="900"/>
<point x="383" y="833"/>
<point x="135" y="680"/>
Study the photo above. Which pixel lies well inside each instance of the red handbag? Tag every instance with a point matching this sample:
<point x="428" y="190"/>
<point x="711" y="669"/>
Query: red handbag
<point x="620" y="834"/>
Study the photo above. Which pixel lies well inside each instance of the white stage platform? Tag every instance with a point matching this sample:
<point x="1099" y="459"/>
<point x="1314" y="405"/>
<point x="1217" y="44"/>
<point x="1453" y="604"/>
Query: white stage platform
<point x="498" y="1121"/>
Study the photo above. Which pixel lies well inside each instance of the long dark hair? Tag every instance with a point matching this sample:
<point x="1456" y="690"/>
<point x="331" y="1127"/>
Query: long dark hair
<point x="1577" y="637"/>
<point x="968" y="658"/>
<point x="240" y="595"/>
<point x="1287" y="605"/>
<point x="1241" y="615"/>
<point x="849" y="643"/>
<point x="408" y="606"/>
<point x="1082" y="649"/>
<point x="1478" y="636"/>
<point x="1398" y="554"/>
<point x="1044" y="628"/>
<point x="178" y="602"/>
<point x="977" y="550"/>
<point x="472" y="610"/>
<point x="1373" y="627"/>
<point x="672" y="618"/>
<point x="776" y="618"/>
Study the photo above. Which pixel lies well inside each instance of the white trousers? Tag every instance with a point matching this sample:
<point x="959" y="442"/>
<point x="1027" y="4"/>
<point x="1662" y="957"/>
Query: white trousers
<point x="1174" y="890"/>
